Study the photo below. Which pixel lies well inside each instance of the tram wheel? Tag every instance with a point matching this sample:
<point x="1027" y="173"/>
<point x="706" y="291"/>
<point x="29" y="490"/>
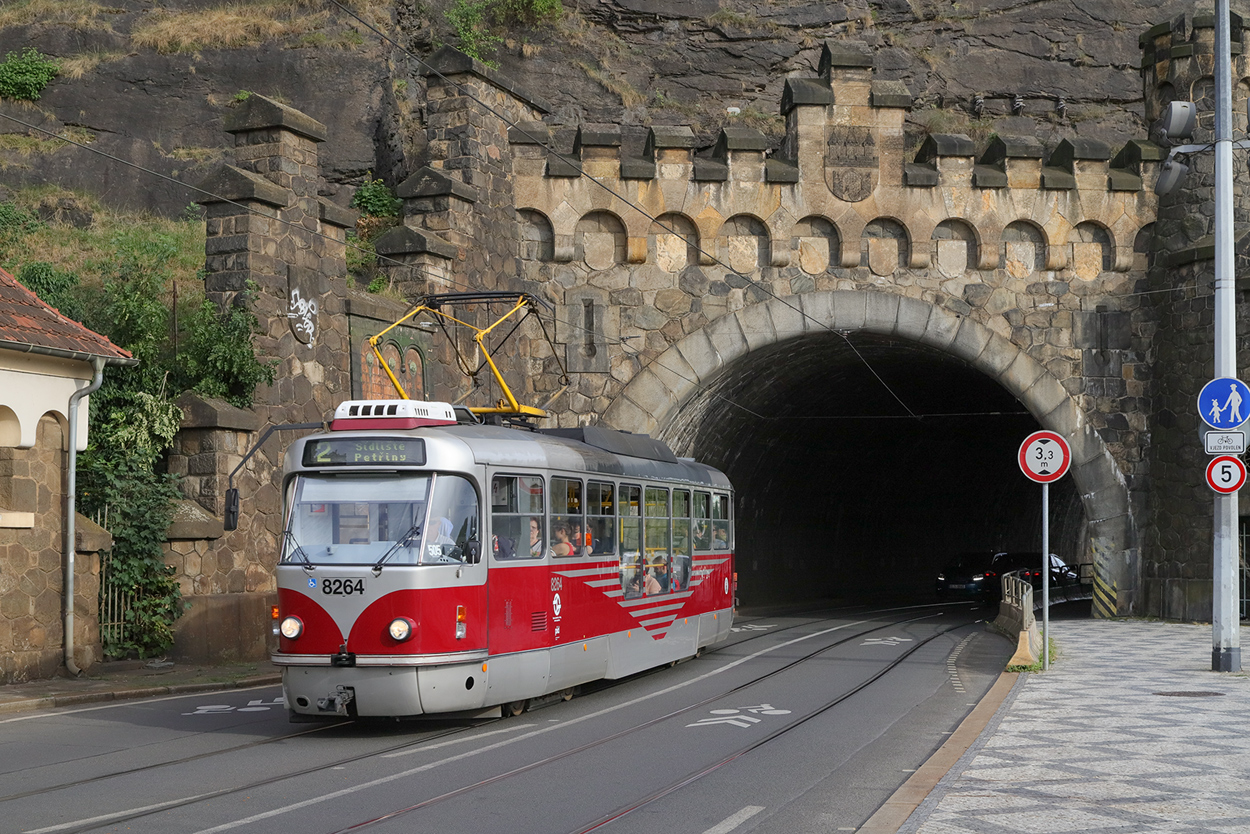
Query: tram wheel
<point x="515" y="708"/>
<point x="567" y="694"/>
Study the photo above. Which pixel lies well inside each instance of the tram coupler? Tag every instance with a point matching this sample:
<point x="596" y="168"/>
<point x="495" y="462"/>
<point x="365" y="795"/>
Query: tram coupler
<point x="342" y="702"/>
<point x="344" y="658"/>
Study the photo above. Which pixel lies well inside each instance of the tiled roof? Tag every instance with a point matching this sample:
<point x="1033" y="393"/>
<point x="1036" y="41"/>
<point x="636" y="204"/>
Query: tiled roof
<point x="26" y="321"/>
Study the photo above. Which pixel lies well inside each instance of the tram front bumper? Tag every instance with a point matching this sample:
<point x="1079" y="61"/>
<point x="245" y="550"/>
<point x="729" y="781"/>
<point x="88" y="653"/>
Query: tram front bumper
<point x="326" y="691"/>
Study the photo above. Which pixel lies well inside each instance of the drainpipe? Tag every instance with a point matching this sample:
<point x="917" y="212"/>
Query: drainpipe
<point x="98" y="363"/>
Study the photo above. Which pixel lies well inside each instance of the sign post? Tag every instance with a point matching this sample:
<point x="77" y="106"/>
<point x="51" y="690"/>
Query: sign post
<point x="1044" y="457"/>
<point x="1224" y="405"/>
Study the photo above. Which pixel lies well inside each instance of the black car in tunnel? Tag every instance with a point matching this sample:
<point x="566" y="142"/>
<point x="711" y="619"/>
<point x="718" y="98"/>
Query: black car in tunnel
<point x="970" y="576"/>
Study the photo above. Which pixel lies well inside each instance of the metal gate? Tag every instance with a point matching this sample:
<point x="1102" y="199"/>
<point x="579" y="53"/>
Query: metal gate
<point x="115" y="601"/>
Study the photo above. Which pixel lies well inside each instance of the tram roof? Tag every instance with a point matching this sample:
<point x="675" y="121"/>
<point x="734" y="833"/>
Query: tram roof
<point x="590" y="449"/>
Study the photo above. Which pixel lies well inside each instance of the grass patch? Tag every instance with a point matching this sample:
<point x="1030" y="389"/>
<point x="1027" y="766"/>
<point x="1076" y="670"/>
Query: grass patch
<point x="228" y="26"/>
<point x="28" y="144"/>
<point x="1037" y="667"/>
<point x="200" y="156"/>
<point x="628" y="95"/>
<point x="86" y="63"/>
<point x="83" y="251"/>
<point x="76" y="14"/>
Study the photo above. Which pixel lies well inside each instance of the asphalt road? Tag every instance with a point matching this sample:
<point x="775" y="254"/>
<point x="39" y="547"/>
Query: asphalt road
<point x="802" y="723"/>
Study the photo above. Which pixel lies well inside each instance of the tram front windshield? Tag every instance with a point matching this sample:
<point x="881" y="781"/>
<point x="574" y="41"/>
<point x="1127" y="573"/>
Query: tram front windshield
<point x="406" y="520"/>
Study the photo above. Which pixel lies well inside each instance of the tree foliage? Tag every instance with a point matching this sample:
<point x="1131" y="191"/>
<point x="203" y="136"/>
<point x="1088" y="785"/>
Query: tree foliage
<point x="189" y="346"/>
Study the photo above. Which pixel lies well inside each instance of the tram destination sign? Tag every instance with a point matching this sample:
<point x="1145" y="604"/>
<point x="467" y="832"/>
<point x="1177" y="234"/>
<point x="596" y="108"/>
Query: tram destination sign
<point x="365" y="451"/>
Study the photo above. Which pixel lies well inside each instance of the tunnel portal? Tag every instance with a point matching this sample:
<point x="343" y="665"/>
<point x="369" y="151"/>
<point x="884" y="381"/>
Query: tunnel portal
<point x="862" y="462"/>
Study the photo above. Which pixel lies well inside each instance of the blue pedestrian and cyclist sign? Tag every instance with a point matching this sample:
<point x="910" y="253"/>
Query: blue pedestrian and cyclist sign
<point x="1224" y="403"/>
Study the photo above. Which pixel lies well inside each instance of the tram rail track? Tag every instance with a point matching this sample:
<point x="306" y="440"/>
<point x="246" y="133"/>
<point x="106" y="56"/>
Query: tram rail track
<point x="123" y="817"/>
<point x="363" y="825"/>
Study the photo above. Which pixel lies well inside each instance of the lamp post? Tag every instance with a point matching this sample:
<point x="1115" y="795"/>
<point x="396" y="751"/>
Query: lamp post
<point x="1225" y="624"/>
<point x="1178" y="122"/>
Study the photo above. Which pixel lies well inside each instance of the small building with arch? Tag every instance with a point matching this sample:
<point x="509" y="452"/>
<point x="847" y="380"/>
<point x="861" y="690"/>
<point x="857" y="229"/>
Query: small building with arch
<point x="45" y="358"/>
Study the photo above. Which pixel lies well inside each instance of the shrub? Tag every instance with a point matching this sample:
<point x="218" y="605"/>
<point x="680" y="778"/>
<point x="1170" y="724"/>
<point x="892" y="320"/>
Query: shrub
<point x="375" y="199"/>
<point x="473" y="35"/>
<point x="56" y="288"/>
<point x="23" y="77"/>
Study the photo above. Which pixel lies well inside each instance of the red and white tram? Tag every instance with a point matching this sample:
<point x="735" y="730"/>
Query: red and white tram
<point x="432" y="564"/>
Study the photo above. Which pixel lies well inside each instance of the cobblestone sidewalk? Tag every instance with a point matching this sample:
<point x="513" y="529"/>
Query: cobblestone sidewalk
<point x="1129" y="731"/>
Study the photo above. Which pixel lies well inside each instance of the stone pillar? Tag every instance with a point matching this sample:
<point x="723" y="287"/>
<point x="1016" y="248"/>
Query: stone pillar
<point x="474" y="207"/>
<point x="277" y="248"/>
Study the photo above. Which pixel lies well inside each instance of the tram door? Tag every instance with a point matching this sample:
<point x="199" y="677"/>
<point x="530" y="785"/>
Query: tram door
<point x="517" y="552"/>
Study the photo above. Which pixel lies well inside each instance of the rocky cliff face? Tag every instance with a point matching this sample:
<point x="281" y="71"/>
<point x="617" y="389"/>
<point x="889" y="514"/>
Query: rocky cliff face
<point x="150" y="85"/>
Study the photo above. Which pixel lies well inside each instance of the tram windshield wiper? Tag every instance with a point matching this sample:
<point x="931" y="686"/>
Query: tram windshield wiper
<point x="299" y="550"/>
<point x="414" y="530"/>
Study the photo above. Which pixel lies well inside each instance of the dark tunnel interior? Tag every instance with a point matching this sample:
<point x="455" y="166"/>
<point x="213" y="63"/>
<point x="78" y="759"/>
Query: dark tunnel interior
<point x="843" y="494"/>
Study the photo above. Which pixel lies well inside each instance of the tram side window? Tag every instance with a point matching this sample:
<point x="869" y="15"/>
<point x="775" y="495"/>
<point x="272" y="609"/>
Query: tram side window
<point x="720" y="522"/>
<point x="632" y="568"/>
<point x="601" y="518"/>
<point x="568" y="535"/>
<point x="517" y="517"/>
<point x="658" y="539"/>
<point x="679" y="571"/>
<point x="702" y="521"/>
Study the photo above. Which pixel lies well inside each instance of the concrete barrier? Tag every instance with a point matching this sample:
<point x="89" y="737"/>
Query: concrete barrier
<point x="1015" y="619"/>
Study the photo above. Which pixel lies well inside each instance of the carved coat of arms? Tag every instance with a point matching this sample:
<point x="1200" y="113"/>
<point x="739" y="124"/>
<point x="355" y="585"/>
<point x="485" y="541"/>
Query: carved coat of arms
<point x="851" y="163"/>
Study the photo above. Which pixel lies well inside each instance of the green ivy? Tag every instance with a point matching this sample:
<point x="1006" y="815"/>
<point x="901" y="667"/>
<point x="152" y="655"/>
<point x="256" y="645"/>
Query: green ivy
<point x="375" y="199"/>
<point x="217" y="358"/>
<point x="23" y="77"/>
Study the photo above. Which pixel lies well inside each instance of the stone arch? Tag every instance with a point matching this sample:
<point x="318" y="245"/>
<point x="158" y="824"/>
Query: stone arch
<point x="600" y="240"/>
<point x="746" y="245"/>
<point x="1093" y="250"/>
<point x="1024" y="248"/>
<point x="816" y="245"/>
<point x="654" y="399"/>
<point x="537" y="236"/>
<point x="956" y="247"/>
<point x="675" y="240"/>
<point x="885" y="246"/>
<point x="10" y="427"/>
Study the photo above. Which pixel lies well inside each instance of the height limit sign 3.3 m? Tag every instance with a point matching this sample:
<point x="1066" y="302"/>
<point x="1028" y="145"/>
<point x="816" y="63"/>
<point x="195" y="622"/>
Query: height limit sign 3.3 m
<point x="1044" y="457"/>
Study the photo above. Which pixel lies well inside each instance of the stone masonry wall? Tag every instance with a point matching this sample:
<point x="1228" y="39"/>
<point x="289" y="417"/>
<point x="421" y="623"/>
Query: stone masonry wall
<point x="31" y="589"/>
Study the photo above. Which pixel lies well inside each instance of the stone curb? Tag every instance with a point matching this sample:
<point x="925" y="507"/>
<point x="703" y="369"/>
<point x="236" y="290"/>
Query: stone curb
<point x="899" y="807"/>
<point x="73" y="699"/>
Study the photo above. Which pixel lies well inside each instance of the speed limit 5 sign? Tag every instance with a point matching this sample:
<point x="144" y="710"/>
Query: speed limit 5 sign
<point x="1226" y="474"/>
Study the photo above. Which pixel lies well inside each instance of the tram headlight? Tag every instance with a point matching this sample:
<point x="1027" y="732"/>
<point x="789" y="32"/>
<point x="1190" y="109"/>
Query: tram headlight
<point x="291" y="627"/>
<point x="401" y="629"/>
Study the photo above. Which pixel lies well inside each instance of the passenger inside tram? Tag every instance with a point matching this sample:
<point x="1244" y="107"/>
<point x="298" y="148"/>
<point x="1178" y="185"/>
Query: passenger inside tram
<point x="536" y="538"/>
<point x="563" y="545"/>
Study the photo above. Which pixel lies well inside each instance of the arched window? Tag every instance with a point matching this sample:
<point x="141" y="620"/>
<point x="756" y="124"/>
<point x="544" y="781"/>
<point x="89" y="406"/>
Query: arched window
<point x="599" y="240"/>
<point x="817" y="244"/>
<point x="746" y="243"/>
<point x="1024" y="249"/>
<point x="955" y="248"/>
<point x="537" y="238"/>
<point x="1092" y="250"/>
<point x="886" y="246"/>
<point x="676" y="242"/>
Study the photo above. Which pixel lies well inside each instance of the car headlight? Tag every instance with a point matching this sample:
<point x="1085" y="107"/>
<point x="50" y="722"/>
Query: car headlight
<point x="291" y="627"/>
<point x="400" y="629"/>
<point x="978" y="577"/>
<point x="941" y="577"/>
